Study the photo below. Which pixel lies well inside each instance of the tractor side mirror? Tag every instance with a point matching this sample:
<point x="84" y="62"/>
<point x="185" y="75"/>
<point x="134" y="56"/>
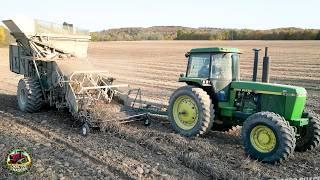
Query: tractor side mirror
<point x="187" y="55"/>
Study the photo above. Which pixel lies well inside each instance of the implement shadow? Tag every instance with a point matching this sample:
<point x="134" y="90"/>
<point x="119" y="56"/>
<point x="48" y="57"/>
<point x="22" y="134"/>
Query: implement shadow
<point x="59" y="118"/>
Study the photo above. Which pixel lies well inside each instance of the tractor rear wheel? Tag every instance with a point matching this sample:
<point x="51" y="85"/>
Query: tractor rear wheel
<point x="268" y="137"/>
<point x="190" y="111"/>
<point x="309" y="135"/>
<point x="29" y="95"/>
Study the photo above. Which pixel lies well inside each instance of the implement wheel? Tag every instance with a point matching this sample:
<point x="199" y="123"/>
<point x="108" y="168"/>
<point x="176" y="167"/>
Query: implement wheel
<point x="190" y="111"/>
<point x="268" y="137"/>
<point x="29" y="95"/>
<point x="309" y="135"/>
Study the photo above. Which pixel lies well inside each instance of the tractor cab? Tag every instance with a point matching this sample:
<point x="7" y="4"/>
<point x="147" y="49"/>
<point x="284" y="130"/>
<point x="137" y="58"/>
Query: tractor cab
<point x="212" y="67"/>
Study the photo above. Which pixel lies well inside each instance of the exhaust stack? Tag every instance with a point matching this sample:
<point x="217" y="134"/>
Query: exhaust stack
<point x="266" y="67"/>
<point x="255" y="64"/>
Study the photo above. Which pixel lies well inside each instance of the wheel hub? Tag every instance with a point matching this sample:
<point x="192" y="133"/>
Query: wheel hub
<point x="263" y="139"/>
<point x="22" y="97"/>
<point x="185" y="112"/>
<point x="84" y="130"/>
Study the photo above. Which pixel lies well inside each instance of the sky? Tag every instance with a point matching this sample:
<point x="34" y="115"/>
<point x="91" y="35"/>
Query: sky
<point x="97" y="15"/>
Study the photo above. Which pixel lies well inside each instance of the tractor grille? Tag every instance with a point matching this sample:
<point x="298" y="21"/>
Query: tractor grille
<point x="273" y="103"/>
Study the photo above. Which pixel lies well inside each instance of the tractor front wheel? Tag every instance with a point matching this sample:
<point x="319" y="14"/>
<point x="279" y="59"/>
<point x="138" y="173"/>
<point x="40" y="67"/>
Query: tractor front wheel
<point x="190" y="111"/>
<point x="29" y="95"/>
<point x="268" y="137"/>
<point x="309" y="135"/>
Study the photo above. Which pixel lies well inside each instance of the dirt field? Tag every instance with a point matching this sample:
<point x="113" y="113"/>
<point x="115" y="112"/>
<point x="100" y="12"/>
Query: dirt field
<point x="135" y="151"/>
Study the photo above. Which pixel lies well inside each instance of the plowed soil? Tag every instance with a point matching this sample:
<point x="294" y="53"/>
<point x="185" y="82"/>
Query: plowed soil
<point x="134" y="151"/>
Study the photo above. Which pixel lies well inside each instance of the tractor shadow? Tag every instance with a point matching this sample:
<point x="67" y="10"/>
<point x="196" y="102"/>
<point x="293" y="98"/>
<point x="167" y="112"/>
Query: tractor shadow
<point x="222" y="138"/>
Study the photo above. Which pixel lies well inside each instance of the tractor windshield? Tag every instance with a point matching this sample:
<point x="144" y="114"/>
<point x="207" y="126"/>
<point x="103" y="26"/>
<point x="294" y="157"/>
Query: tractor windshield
<point x="224" y="66"/>
<point x="199" y="66"/>
<point x="221" y="66"/>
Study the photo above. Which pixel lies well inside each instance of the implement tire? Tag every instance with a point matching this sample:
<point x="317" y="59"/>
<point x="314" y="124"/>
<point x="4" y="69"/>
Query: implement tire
<point x="309" y="135"/>
<point x="29" y="95"/>
<point x="191" y="111"/>
<point x="268" y="137"/>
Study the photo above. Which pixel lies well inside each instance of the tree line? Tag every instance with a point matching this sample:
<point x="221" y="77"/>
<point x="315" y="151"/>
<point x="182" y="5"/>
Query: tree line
<point x="136" y="34"/>
<point x="4" y="37"/>
<point x="184" y="33"/>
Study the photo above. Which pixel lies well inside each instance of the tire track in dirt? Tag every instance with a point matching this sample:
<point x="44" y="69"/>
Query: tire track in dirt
<point x="51" y="136"/>
<point x="249" y="65"/>
<point x="148" y="61"/>
<point x="102" y="143"/>
<point x="134" y="66"/>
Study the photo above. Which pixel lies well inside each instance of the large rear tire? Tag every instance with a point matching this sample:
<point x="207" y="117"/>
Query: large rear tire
<point x="29" y="95"/>
<point x="190" y="111"/>
<point x="268" y="137"/>
<point x="309" y="135"/>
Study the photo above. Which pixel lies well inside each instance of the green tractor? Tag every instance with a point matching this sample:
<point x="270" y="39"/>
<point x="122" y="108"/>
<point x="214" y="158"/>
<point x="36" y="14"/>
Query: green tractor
<point x="272" y="116"/>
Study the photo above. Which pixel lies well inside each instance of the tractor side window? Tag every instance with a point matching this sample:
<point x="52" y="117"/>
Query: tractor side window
<point x="235" y="67"/>
<point x="222" y="66"/>
<point x="199" y="66"/>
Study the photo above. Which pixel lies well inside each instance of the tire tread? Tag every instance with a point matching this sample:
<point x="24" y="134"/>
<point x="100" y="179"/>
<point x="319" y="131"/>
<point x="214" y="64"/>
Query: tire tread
<point x="34" y="100"/>
<point x="287" y="136"/>
<point x="206" y="106"/>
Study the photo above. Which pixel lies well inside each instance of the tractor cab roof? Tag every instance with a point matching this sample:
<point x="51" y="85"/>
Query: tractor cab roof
<point x="214" y="50"/>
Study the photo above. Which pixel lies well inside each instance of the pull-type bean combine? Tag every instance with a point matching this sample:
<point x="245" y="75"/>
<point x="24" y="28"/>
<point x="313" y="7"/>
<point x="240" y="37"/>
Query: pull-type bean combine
<point x="53" y="60"/>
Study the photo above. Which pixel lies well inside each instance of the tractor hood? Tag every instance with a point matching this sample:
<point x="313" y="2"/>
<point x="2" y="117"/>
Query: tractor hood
<point x="270" y="88"/>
